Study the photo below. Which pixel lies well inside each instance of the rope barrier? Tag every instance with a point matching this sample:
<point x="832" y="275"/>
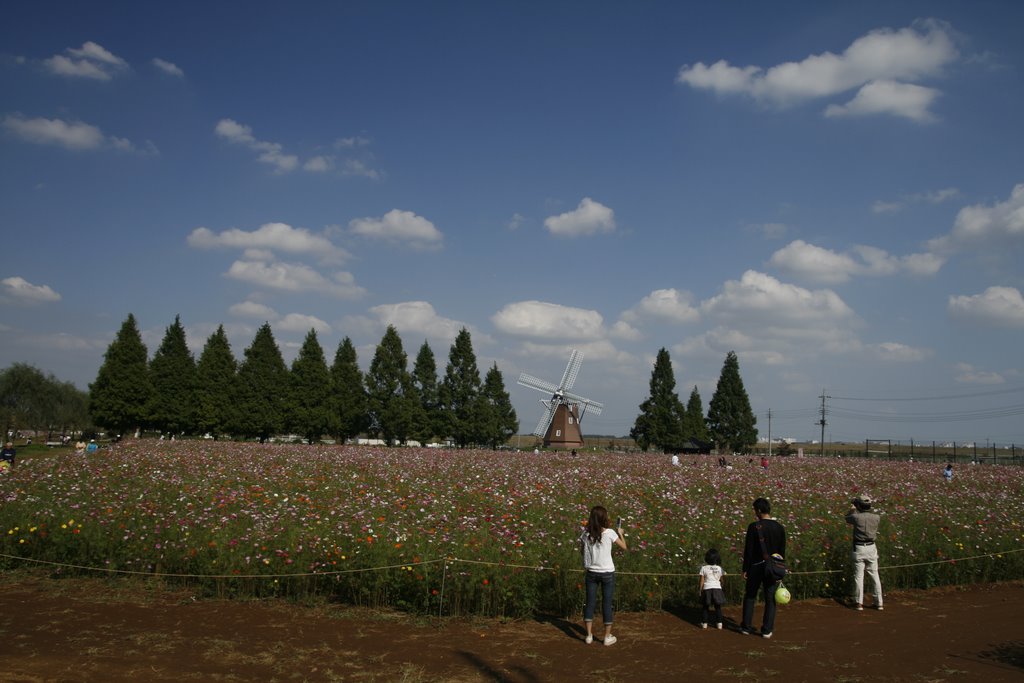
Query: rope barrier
<point x="449" y="560"/>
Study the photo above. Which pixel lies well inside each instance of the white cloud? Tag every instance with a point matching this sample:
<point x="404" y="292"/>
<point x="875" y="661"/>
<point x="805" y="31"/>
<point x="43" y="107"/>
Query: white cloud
<point x="169" y="68"/>
<point x="934" y="197"/>
<point x="670" y="305"/>
<point x="297" y="322"/>
<point x="20" y="290"/>
<point x="889" y="97"/>
<point x="623" y="330"/>
<point x="350" y="142"/>
<point x="817" y="264"/>
<point x="254" y="310"/>
<point x="355" y="167"/>
<point x="548" y="321"/>
<point x="269" y="152"/>
<point x="589" y="218"/>
<point x="89" y="61"/>
<point x="399" y="227"/>
<point x="984" y="225"/>
<point x="515" y="222"/>
<point x="896" y="352"/>
<point x="419" y="317"/>
<point x="269" y="236"/>
<point x="294" y="277"/>
<point x="74" y="135"/>
<point x="996" y="306"/>
<point x="318" y="164"/>
<point x="967" y="374"/>
<point x="757" y="296"/>
<point x="919" y="51"/>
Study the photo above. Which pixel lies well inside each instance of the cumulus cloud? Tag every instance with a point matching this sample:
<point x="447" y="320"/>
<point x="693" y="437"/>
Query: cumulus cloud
<point x="19" y="290"/>
<point x="419" y="317"/>
<point x="253" y="310"/>
<point x="589" y="218"/>
<point x="984" y="225"/>
<point x="816" y="264"/>
<point x="270" y="153"/>
<point x="269" y="236"/>
<point x="320" y="164"/>
<point x="669" y="305"/>
<point x="757" y="296"/>
<point x="297" y="322"/>
<point x="357" y="167"/>
<point x="547" y="320"/>
<point x="889" y="97"/>
<point x="398" y="226"/>
<point x="879" y="64"/>
<point x="623" y="330"/>
<point x="89" y="61"/>
<point x="935" y="197"/>
<point x="169" y="68"/>
<point x="294" y="277"/>
<point x="41" y="131"/>
<point x="996" y="306"/>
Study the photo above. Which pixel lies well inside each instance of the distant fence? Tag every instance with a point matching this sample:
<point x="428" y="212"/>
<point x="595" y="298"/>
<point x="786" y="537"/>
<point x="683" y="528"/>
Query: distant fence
<point x="922" y="451"/>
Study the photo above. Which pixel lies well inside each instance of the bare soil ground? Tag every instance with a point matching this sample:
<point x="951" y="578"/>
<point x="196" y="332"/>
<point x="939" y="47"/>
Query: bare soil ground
<point x="96" y="630"/>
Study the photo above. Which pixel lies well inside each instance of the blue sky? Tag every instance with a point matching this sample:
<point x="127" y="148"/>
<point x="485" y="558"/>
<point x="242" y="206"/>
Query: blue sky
<point x="834" y="192"/>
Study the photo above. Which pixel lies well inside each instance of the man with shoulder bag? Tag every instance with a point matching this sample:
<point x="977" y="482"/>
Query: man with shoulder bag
<point x="765" y="538"/>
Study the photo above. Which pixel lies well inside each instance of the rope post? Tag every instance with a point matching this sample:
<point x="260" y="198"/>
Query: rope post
<point x="444" y="575"/>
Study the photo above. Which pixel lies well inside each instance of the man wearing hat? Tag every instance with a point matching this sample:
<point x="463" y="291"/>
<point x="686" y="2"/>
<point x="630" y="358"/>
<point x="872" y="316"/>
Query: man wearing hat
<point x="865" y="552"/>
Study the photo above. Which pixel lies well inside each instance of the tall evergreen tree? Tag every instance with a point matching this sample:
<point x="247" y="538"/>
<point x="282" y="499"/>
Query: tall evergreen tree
<point x="694" y="425"/>
<point x="349" y="404"/>
<point x="460" y="393"/>
<point x="310" y="404"/>
<point x="172" y="373"/>
<point x="216" y="386"/>
<point x="731" y="421"/>
<point x="500" y="419"/>
<point x="118" y="397"/>
<point x="263" y="387"/>
<point x="385" y="385"/>
<point x="428" y="422"/>
<point x="660" y="422"/>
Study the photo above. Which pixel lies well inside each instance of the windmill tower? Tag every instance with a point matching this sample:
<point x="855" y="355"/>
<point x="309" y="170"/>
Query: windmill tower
<point x="560" y="422"/>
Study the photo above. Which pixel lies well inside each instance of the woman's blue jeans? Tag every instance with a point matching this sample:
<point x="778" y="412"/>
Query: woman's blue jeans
<point x="607" y="582"/>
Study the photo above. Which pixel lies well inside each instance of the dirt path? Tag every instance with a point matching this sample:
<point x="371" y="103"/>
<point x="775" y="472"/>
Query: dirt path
<point x="93" y="630"/>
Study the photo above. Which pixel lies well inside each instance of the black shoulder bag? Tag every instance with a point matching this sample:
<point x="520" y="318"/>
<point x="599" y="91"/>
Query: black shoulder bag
<point x="774" y="565"/>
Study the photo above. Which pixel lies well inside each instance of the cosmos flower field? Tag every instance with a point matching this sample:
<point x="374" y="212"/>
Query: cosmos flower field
<point x="482" y="532"/>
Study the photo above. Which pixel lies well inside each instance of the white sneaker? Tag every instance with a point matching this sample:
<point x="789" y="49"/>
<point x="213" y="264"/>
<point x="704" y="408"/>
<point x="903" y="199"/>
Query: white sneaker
<point x="880" y="608"/>
<point x="610" y="640"/>
<point x="719" y="627"/>
<point x="703" y="625"/>
<point x="589" y="640"/>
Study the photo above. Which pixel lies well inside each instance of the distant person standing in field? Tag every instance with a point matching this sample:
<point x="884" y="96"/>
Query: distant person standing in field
<point x="865" y="552"/>
<point x="596" y="547"/>
<point x="7" y="456"/>
<point x="765" y="537"/>
<point x="948" y="472"/>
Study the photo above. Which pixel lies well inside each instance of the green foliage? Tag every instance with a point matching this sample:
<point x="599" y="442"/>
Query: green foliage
<point x="216" y="385"/>
<point x="122" y="390"/>
<point x="460" y="393"/>
<point x="309" y="405"/>
<point x="348" y="393"/>
<point x="499" y="419"/>
<point x="31" y="400"/>
<point x="694" y="426"/>
<point x="429" y="422"/>
<point x="386" y="384"/>
<point x="731" y="421"/>
<point x="660" y="422"/>
<point x="172" y="373"/>
<point x="263" y="384"/>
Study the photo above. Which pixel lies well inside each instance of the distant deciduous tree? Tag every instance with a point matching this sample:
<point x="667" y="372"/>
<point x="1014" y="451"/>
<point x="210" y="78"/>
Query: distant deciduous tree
<point x="263" y="388"/>
<point x="731" y="421"/>
<point x="172" y="373"/>
<point x="122" y="390"/>
<point x="660" y="422"/>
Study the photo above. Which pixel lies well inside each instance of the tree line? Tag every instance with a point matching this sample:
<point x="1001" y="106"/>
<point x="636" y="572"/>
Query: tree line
<point x="30" y="400"/>
<point x="260" y="396"/>
<point x="665" y="423"/>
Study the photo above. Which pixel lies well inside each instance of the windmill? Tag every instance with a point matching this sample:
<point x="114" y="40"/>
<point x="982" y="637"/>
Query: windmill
<point x="560" y="422"/>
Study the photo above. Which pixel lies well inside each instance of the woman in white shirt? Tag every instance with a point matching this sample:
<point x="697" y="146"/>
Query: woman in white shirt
<point x="596" y="547"/>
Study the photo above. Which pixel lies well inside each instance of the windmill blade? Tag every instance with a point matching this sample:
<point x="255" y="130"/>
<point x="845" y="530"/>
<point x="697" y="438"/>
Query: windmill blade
<point x="590" y="405"/>
<point x="571" y="370"/>
<point x="545" y="419"/>
<point x="538" y="384"/>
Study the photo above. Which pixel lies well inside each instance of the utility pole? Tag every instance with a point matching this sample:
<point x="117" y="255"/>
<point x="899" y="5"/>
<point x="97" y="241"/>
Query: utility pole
<point x="769" y="432"/>
<point x="822" y="421"/>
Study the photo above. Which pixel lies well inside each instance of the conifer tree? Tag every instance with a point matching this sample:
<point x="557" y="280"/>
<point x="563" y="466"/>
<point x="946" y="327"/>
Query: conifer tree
<point x="118" y="397"/>
<point x="172" y="372"/>
<point x="428" y="422"/>
<point x="694" y="426"/>
<point x="500" y="421"/>
<point x="349" y="403"/>
<point x="310" y="404"/>
<point x="263" y="387"/>
<point x="731" y="421"/>
<point x="216" y="386"/>
<point x="385" y="384"/>
<point x="460" y="393"/>
<point x="660" y="422"/>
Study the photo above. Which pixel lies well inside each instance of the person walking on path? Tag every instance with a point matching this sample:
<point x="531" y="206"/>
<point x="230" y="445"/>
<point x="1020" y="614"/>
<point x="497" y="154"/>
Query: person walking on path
<point x="765" y="537"/>
<point x="865" y="552"/>
<point x="596" y="547"/>
<point x="711" y="593"/>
